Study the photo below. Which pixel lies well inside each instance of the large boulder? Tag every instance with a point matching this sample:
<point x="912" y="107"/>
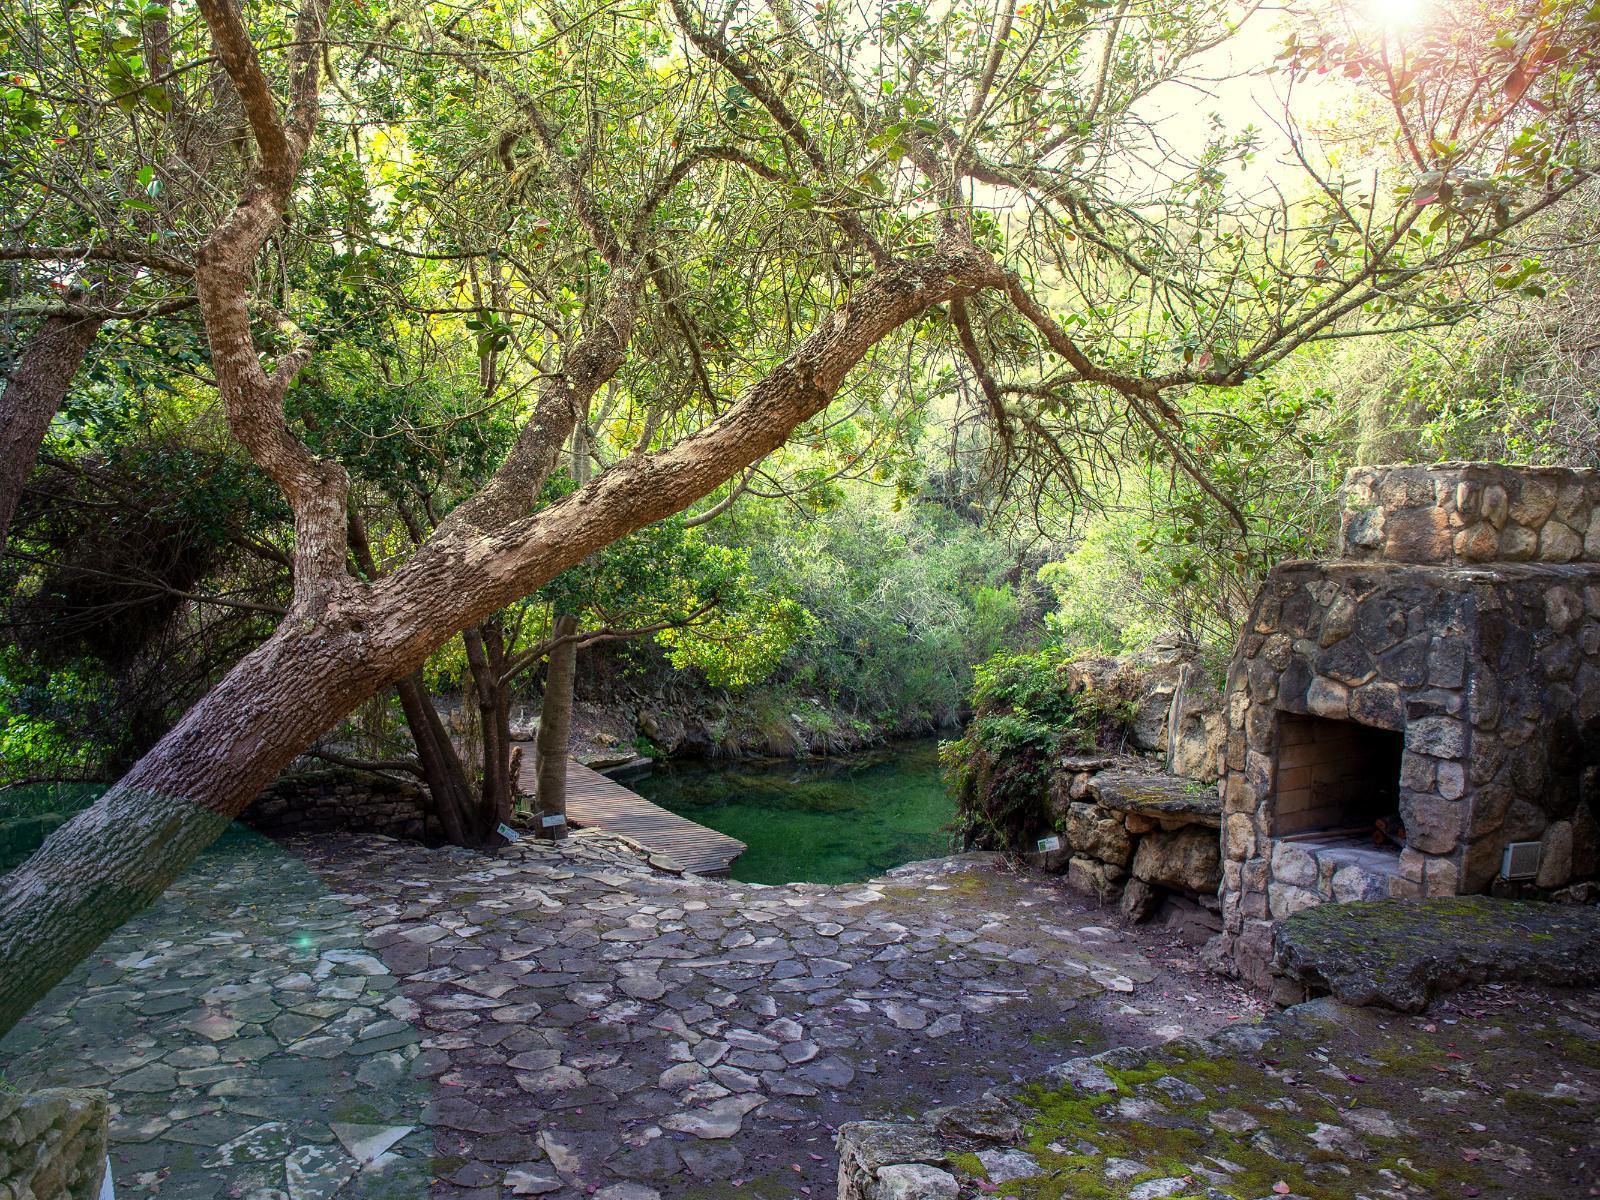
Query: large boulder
<point x="1187" y="860"/>
<point x="1093" y="831"/>
<point x="1401" y="953"/>
<point x="1197" y="731"/>
<point x="1177" y="707"/>
<point x="1148" y="681"/>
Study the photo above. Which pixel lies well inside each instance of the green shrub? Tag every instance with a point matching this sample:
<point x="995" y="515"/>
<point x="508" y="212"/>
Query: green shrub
<point x="1027" y="711"/>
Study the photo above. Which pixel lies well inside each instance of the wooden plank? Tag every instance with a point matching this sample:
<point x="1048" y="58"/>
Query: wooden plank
<point x="595" y="802"/>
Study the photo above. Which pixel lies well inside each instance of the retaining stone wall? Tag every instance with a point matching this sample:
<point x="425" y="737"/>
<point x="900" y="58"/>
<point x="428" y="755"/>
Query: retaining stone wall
<point x="1136" y="837"/>
<point x="335" y="800"/>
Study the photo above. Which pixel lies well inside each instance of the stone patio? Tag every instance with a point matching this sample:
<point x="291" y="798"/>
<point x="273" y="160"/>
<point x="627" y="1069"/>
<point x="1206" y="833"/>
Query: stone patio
<point x="1491" y="1094"/>
<point x="265" y="1057"/>
<point x="364" y="1017"/>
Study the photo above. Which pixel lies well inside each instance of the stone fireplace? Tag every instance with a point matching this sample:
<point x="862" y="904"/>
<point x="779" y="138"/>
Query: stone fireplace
<point x="1400" y="715"/>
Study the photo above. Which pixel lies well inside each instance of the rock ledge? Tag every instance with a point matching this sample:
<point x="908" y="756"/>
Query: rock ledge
<point x="1402" y="953"/>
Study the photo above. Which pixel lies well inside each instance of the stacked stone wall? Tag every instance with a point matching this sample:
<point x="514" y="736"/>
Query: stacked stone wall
<point x="52" y="1144"/>
<point x="1136" y="837"/>
<point x="327" y="801"/>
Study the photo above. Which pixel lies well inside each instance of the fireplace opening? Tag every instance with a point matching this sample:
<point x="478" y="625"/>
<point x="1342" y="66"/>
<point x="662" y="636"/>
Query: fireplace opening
<point x="1337" y="779"/>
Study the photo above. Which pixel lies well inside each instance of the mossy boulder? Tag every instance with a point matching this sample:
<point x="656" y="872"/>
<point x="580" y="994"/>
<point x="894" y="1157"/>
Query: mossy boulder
<point x="1401" y="953"/>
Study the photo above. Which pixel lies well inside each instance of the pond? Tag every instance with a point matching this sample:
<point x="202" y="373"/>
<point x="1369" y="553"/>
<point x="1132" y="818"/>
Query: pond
<point x="815" y="821"/>
<point x="31" y="812"/>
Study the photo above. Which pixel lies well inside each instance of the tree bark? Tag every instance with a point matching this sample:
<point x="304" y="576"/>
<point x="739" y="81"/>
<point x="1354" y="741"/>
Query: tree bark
<point x="30" y="400"/>
<point x="485" y="654"/>
<point x="555" y="729"/>
<point x="451" y="795"/>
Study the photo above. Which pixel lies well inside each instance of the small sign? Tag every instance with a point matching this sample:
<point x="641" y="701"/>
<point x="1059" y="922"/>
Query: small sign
<point x="505" y="831"/>
<point x="553" y="820"/>
<point x="1047" y="844"/>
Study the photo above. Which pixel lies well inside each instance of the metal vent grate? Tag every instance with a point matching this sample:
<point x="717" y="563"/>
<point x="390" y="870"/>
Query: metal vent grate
<point x="1521" y="860"/>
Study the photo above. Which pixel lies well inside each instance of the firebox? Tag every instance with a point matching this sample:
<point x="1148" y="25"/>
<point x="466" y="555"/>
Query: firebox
<point x="1399" y="715"/>
<point x="1337" y="779"/>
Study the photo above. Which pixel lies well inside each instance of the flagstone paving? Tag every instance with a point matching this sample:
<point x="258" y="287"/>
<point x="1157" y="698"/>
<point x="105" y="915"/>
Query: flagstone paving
<point x="567" y="1021"/>
<point x="252" y="1043"/>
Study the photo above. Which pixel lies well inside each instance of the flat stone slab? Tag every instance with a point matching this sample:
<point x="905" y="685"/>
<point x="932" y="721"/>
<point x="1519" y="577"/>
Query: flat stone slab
<point x="1402" y="953"/>
<point x="1169" y="798"/>
<point x="1491" y="1095"/>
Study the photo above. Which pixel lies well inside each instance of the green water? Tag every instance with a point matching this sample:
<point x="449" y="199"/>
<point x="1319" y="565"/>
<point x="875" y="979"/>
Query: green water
<point x="29" y="814"/>
<point x="820" y="821"/>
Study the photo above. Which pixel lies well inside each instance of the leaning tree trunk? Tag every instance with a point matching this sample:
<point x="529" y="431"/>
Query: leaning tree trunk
<point x="341" y="646"/>
<point x="31" y="397"/>
<point x="555" y="729"/>
<point x="120" y="853"/>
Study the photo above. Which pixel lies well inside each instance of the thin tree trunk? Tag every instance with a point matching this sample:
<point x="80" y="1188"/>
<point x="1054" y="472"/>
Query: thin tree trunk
<point x="555" y="730"/>
<point x="555" y="711"/>
<point x="495" y="799"/>
<point x="453" y="802"/>
<point x="31" y="397"/>
<point x="450" y="798"/>
<point x="494" y="644"/>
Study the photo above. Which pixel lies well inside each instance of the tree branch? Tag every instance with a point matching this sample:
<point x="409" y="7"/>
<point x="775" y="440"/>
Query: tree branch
<point x="315" y="488"/>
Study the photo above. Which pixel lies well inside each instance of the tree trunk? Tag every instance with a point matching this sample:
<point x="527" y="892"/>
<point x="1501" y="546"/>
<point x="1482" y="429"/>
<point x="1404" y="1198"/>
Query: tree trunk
<point x="495" y="645"/>
<point x="494" y="717"/>
<point x="451" y="794"/>
<point x="555" y="730"/>
<point x="115" y="857"/>
<point x="31" y="397"/>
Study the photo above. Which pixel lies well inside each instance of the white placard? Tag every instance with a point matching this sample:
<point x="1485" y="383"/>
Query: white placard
<point x="1047" y="844"/>
<point x="553" y="820"/>
<point x="505" y="831"/>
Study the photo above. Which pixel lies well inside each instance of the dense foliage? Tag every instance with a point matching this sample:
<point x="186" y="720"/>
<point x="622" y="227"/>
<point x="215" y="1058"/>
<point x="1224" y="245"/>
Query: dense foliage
<point x="1028" y="710"/>
<point x="1157" y="406"/>
<point x="903" y="604"/>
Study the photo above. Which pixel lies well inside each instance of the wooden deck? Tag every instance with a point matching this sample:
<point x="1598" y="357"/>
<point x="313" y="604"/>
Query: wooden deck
<point x="595" y="802"/>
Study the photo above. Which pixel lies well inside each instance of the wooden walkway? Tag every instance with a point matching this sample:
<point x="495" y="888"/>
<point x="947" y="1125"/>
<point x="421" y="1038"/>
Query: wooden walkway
<point x="595" y="802"/>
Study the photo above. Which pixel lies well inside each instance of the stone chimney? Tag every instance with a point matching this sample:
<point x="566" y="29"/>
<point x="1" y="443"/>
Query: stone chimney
<point x="1461" y="513"/>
